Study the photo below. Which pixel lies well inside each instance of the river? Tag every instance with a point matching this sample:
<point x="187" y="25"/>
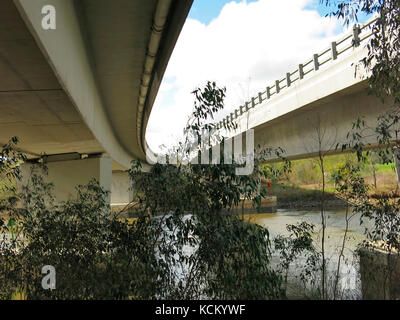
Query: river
<point x="336" y="223"/>
<point x="335" y="230"/>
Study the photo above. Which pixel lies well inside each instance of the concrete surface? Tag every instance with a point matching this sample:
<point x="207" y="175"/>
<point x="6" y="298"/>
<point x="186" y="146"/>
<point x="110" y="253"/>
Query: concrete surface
<point x="66" y="175"/>
<point x="120" y="188"/>
<point x="317" y="112"/>
<point x="76" y="88"/>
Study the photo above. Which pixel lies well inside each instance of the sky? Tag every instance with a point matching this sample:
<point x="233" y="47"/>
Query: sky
<point x="243" y="46"/>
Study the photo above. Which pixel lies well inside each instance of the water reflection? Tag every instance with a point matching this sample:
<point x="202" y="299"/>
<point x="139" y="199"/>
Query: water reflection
<point x="335" y="230"/>
<point x="335" y="225"/>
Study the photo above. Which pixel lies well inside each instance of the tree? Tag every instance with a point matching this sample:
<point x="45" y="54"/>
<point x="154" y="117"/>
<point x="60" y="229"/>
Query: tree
<point x="181" y="245"/>
<point x="350" y="187"/>
<point x="323" y="143"/>
<point x="383" y="63"/>
<point x="231" y="257"/>
<point x="383" y="59"/>
<point x="299" y="243"/>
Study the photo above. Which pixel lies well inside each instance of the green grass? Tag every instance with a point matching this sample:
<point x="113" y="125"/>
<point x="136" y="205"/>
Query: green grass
<point x="304" y="183"/>
<point x="388" y="168"/>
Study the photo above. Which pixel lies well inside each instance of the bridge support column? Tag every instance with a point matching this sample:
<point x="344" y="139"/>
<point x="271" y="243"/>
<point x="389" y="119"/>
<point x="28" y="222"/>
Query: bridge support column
<point x="66" y="172"/>
<point x="121" y="193"/>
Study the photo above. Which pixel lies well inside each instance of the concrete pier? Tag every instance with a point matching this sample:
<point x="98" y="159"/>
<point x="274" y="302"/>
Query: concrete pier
<point x="66" y="172"/>
<point x="380" y="274"/>
<point x="121" y="193"/>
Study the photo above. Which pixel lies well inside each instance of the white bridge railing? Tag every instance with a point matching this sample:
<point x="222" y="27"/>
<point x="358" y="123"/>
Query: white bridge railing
<point x="337" y="48"/>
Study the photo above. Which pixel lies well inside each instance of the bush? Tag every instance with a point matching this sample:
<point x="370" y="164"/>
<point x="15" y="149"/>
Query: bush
<point x="180" y="246"/>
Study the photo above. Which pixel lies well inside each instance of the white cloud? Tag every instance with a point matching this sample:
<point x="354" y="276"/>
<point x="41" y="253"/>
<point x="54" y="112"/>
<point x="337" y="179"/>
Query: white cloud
<point x="245" y="49"/>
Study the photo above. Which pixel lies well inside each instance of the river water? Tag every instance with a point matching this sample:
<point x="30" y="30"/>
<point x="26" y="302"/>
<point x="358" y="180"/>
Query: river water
<point x="335" y="230"/>
<point x="336" y="224"/>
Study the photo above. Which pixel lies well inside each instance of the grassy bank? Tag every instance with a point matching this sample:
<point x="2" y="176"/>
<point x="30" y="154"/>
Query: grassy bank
<point x="302" y="187"/>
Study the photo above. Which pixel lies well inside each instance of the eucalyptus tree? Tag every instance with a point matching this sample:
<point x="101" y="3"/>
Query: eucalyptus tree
<point x="383" y="64"/>
<point x="180" y="245"/>
<point x="229" y="257"/>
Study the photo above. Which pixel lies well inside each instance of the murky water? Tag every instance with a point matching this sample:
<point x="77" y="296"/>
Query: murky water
<point x="335" y="230"/>
<point x="336" y="224"/>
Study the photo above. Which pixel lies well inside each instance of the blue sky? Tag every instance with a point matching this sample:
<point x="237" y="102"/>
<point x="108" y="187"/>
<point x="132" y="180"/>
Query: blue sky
<point x="206" y="10"/>
<point x="243" y="46"/>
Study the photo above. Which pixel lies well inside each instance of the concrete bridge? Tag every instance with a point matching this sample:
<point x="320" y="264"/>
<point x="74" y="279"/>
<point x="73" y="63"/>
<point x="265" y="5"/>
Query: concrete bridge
<point x="79" y="95"/>
<point x="81" y="91"/>
<point x="312" y="108"/>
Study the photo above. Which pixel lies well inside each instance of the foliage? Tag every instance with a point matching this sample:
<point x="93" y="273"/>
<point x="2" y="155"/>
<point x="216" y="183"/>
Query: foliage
<point x="10" y="158"/>
<point x="180" y="246"/>
<point x="298" y="244"/>
<point x="233" y="263"/>
<point x="95" y="256"/>
<point x="383" y="64"/>
<point x="349" y="183"/>
<point x="384" y="214"/>
<point x="351" y="187"/>
<point x="381" y="217"/>
<point x="383" y="57"/>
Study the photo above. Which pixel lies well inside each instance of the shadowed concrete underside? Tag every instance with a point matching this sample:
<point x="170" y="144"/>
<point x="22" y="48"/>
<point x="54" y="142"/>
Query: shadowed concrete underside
<point x="87" y="87"/>
<point x="82" y="93"/>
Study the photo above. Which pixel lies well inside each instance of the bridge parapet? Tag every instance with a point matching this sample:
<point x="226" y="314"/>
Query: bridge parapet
<point x="359" y="34"/>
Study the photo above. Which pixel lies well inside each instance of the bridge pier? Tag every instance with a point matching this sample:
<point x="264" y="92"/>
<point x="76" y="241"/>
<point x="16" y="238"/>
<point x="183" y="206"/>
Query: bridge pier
<point x="121" y="194"/>
<point x="67" y="171"/>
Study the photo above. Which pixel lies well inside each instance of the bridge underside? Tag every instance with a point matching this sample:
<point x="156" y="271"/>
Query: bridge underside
<point x="81" y="94"/>
<point x="324" y="125"/>
<point x="316" y="113"/>
<point x="33" y="105"/>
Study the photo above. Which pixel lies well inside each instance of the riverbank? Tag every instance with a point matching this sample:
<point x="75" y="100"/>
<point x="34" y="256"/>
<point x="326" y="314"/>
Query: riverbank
<point x="293" y="197"/>
<point x="309" y="196"/>
<point x="300" y="188"/>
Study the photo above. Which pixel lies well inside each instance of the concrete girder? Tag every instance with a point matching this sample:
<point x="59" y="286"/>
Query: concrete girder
<point x="330" y="101"/>
<point x="66" y="52"/>
<point x="107" y="60"/>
